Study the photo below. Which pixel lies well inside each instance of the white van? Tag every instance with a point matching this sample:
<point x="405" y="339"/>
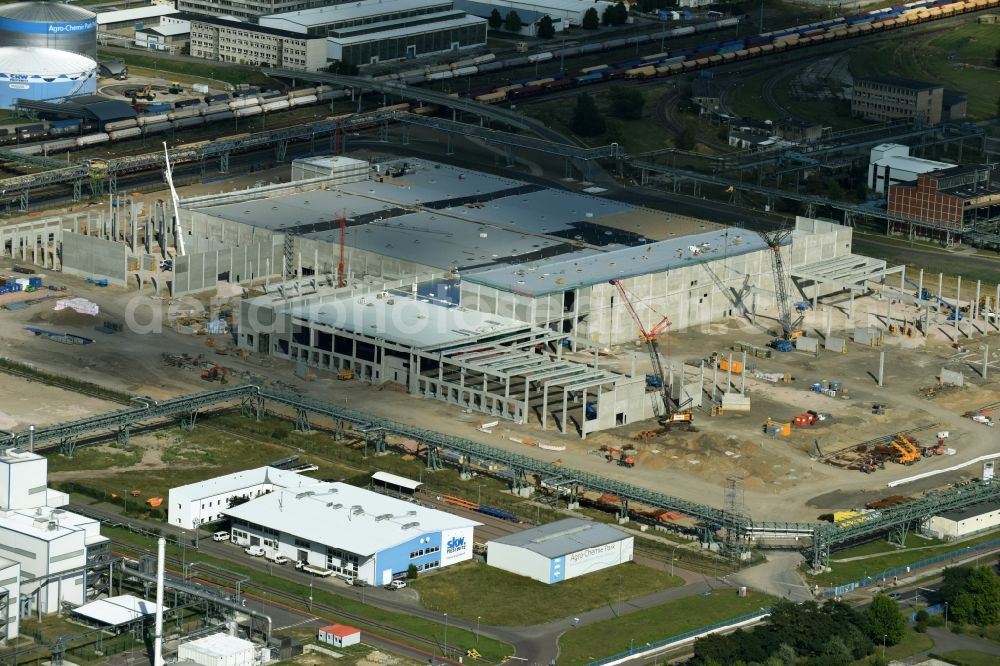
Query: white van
<point x="254" y="551"/>
<point x="275" y="556"/>
<point x="220" y="536"/>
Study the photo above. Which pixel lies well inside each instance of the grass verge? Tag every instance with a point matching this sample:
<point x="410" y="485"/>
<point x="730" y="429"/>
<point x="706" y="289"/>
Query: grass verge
<point x="846" y="572"/>
<point x="88" y="388"/>
<point x="912" y="643"/>
<point x="448" y="591"/>
<point x="602" y="639"/>
<point x="968" y="658"/>
<point x="227" y="72"/>
<point x="296" y="595"/>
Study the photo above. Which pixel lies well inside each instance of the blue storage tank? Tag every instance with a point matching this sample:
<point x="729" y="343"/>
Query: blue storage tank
<point x="51" y="25"/>
<point x="44" y="74"/>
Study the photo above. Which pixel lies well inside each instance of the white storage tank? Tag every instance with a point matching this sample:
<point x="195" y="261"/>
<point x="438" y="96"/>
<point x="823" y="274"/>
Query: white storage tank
<point x="218" y="650"/>
<point x="52" y="25"/>
<point x="44" y="74"/>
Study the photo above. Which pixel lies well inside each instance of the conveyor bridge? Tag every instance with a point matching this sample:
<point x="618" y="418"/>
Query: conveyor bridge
<point x="816" y="538"/>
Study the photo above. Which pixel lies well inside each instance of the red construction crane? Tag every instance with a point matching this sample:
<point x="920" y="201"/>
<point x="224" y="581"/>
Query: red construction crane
<point x="668" y="412"/>
<point x="341" y="275"/>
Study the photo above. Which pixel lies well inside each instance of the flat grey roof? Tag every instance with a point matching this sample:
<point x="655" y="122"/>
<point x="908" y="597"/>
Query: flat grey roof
<point x="302" y="208"/>
<point x="439" y="241"/>
<point x="563" y="537"/>
<point x="538" y="278"/>
<point x="545" y="211"/>
<point x="431" y="181"/>
<point x="318" y="16"/>
<point x="407" y="321"/>
<point x="970" y="511"/>
<point x="409" y="31"/>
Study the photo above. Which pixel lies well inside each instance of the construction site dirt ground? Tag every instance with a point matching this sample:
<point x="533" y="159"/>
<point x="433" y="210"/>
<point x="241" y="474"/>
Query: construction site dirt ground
<point x="782" y="478"/>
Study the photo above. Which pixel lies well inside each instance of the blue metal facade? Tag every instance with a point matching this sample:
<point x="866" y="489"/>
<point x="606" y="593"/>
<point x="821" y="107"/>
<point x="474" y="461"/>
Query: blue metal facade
<point x="557" y="569"/>
<point x="75" y="37"/>
<point x="399" y="559"/>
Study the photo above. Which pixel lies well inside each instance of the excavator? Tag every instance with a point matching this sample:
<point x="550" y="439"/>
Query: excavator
<point x="668" y="412"/>
<point x="216" y="373"/>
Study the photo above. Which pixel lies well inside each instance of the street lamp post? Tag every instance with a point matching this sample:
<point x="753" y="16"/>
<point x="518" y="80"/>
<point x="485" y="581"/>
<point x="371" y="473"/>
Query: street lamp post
<point x="946" y="615"/>
<point x="884" y="636"/>
<point x="673" y="551"/>
<point x="310" y="596"/>
<point x="445" y="635"/>
<point x="477" y="631"/>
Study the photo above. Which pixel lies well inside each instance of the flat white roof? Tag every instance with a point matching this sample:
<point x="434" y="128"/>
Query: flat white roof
<point x="395" y="480"/>
<point x="136" y="14"/>
<point x="231" y="483"/>
<point x="11" y="455"/>
<point x="36" y="523"/>
<point x="116" y="611"/>
<point x="170" y="29"/>
<point x="407" y="31"/>
<point x="342" y="516"/>
<point x="915" y="164"/>
<point x="406" y="321"/>
<point x="220" y="645"/>
<point x="345" y="12"/>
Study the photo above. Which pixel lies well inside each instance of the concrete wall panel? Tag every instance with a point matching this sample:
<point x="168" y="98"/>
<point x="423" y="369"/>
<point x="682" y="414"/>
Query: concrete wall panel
<point x="95" y="257"/>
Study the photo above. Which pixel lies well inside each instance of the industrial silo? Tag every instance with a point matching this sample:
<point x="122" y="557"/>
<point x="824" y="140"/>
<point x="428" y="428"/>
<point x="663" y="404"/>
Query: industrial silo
<point x="44" y="74"/>
<point x="52" y="25"/>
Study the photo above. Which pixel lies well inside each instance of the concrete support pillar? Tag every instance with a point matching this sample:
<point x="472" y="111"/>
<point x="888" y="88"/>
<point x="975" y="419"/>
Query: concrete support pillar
<point x="829" y="321"/>
<point x="974" y="308"/>
<point x="881" y="368"/>
<point x="729" y="375"/>
<point x="957" y="304"/>
<point x="888" y="312"/>
<point x="565" y="411"/>
<point x="920" y="283"/>
<point x="527" y="410"/>
<point x="902" y="278"/>
<point x="583" y="414"/>
<point x="986" y="360"/>
<point x="545" y="404"/>
<point x="850" y="312"/>
<point x="940" y="285"/>
<point x="753" y="309"/>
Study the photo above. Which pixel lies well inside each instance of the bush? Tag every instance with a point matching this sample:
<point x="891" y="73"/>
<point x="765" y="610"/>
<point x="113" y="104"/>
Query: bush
<point x="411" y="572"/>
<point x="922" y="616"/>
<point x="957" y="628"/>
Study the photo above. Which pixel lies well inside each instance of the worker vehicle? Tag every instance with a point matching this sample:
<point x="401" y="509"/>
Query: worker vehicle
<point x="791" y="330"/>
<point x="216" y="373"/>
<point x="276" y="557"/>
<point x="175" y="88"/>
<point x="220" y="536"/>
<point x="144" y="93"/>
<point x="254" y="551"/>
<point x="669" y="412"/>
<point x="620" y="457"/>
<point x="982" y="418"/>
<point x="345" y="375"/>
<point x="396" y="585"/>
<point x="314" y="570"/>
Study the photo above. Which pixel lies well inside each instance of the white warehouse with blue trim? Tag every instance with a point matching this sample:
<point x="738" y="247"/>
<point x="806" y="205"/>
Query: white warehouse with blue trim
<point x="354" y="532"/>
<point x="561" y="550"/>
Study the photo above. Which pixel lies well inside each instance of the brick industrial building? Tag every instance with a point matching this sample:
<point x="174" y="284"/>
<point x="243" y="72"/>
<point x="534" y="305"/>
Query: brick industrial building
<point x="949" y="202"/>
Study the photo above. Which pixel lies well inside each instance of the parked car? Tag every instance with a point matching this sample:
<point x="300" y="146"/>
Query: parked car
<point x="396" y="585"/>
<point x="254" y="551"/>
<point x="359" y="582"/>
<point x="220" y="536"/>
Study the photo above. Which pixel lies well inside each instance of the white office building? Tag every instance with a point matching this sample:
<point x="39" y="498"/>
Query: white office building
<point x="205" y="501"/>
<point x="561" y="550"/>
<point x="355" y="533"/>
<point x="10" y="584"/>
<point x="891" y="164"/>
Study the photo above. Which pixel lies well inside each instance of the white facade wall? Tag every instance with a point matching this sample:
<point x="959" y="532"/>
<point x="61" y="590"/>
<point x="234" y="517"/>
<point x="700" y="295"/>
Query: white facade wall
<point x="10" y="578"/>
<point x="23" y="477"/>
<point x="595" y="559"/>
<point x="570" y="11"/>
<point x="947" y="528"/>
<point x="339" y="641"/>
<point x="518" y="560"/>
<point x="42" y="557"/>
<point x="189" y="513"/>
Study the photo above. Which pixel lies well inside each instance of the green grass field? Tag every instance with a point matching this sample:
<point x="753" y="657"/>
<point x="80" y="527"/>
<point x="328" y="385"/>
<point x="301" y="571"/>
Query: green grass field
<point x="845" y="572"/>
<point x="969" y="658"/>
<point x="603" y="639"/>
<point x="457" y="637"/>
<point x="537" y="602"/>
<point x="926" y="57"/>
<point x="912" y="643"/>
<point x="636" y="136"/>
<point x="229" y="443"/>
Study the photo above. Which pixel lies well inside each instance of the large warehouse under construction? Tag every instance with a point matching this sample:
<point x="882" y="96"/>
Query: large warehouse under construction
<point x="480" y="290"/>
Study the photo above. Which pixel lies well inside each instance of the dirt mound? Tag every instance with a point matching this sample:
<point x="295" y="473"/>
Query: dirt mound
<point x="67" y="317"/>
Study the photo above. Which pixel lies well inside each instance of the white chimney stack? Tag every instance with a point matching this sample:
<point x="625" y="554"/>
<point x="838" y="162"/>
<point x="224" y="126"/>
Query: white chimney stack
<point x="161" y="547"/>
